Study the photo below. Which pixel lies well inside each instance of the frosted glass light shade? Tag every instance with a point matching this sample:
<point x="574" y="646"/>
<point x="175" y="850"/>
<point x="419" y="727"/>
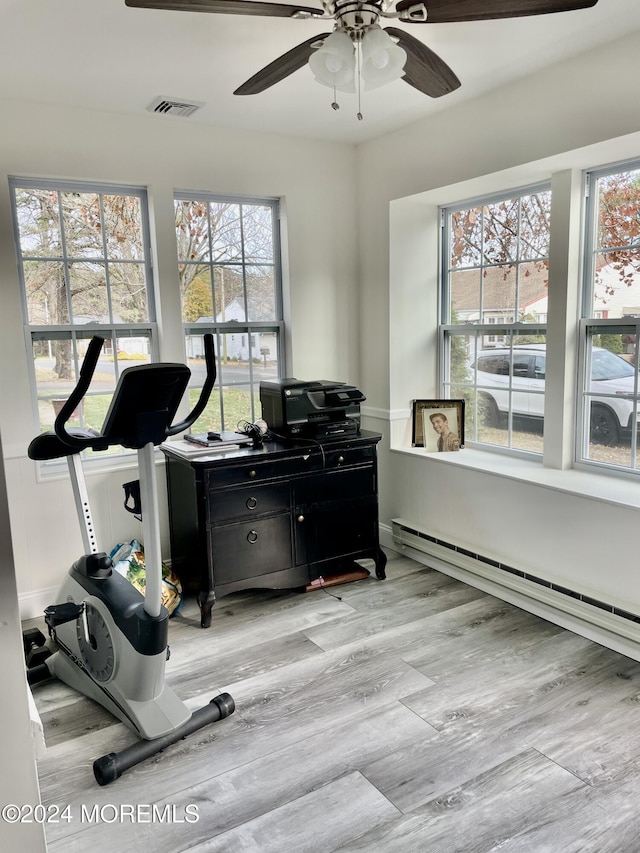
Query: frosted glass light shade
<point x="333" y="64"/>
<point x="382" y="59"/>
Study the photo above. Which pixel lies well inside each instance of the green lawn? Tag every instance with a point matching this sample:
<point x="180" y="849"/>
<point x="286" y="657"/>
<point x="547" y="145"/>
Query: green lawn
<point x="237" y="407"/>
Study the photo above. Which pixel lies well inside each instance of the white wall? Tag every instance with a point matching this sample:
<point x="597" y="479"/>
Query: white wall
<point x="565" y="526"/>
<point x="20" y="785"/>
<point x="317" y="184"/>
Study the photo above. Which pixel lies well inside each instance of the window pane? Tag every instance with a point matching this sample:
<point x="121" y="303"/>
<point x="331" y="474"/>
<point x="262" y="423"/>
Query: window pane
<point x="499" y="294"/>
<point x="228" y="284"/>
<point x="195" y="287"/>
<point x="611" y="395"/>
<point x="533" y="292"/>
<point x="466" y="238"/>
<point x="226" y="232"/>
<point x="500" y="232"/>
<point x="82" y="225"/>
<point x="618" y="218"/>
<point x="535" y="213"/>
<point x="88" y="288"/>
<point x="128" y="287"/>
<point x="192" y="230"/>
<point x="123" y="227"/>
<point x="465" y="293"/>
<point x="261" y="293"/>
<point x="46" y="293"/>
<point x="38" y="220"/>
<point x="616" y="285"/>
<point x="503" y="386"/>
<point x="616" y="259"/>
<point x="257" y="233"/>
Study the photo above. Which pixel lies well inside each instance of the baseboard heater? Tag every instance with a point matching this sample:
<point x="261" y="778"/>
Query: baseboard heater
<point x="475" y="568"/>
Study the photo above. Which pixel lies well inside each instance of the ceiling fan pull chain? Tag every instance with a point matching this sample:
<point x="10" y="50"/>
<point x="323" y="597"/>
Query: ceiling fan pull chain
<point x="359" y="114"/>
<point x="335" y="104"/>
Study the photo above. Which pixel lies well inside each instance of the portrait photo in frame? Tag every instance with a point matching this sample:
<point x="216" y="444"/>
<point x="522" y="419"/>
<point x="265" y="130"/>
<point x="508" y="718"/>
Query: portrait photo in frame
<point x="438" y="425"/>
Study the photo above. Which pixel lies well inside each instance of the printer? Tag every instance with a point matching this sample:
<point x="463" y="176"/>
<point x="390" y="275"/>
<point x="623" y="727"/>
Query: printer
<point x="318" y="410"/>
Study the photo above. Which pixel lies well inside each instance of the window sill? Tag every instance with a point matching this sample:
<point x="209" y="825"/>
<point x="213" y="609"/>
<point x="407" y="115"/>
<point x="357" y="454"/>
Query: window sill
<point x="106" y="464"/>
<point x="619" y="490"/>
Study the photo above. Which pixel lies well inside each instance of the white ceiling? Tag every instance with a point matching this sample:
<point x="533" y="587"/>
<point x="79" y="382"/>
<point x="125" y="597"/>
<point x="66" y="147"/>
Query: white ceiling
<point x="100" y="54"/>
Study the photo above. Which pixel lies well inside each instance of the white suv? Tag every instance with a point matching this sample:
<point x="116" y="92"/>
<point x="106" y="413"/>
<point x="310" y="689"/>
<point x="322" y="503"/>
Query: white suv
<point x="611" y="375"/>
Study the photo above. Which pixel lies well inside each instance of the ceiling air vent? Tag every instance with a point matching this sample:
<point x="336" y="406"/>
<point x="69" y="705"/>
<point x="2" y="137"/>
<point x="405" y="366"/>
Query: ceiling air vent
<point x="174" y="107"/>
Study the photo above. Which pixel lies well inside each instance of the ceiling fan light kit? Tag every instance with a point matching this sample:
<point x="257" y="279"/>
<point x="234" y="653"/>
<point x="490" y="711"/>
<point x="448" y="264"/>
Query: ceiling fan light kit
<point x="358" y="53"/>
<point x="383" y="60"/>
<point x="333" y="62"/>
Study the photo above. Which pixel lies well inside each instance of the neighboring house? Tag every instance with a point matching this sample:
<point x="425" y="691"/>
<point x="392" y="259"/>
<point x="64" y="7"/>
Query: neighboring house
<point x="240" y="345"/>
<point x="501" y="292"/>
<point x="615" y="297"/>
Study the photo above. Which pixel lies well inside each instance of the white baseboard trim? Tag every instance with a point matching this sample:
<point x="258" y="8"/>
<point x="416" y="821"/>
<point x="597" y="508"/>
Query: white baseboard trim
<point x="597" y="621"/>
<point x="32" y="604"/>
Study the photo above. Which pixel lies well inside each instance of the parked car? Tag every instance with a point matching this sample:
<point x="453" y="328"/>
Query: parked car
<point x="610" y="416"/>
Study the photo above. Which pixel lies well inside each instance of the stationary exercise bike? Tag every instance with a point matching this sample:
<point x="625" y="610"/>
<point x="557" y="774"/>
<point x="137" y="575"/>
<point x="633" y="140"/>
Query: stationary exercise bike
<point x="112" y="640"/>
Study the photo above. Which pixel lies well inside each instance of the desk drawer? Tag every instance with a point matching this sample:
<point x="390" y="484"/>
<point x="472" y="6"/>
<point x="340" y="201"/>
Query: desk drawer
<point x="224" y="504"/>
<point x="348" y="456"/>
<point x="257" y="471"/>
<point x="335" y="484"/>
<point x="251" y="548"/>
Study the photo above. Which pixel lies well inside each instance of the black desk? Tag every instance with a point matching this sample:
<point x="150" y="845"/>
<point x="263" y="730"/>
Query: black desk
<point x="278" y="517"/>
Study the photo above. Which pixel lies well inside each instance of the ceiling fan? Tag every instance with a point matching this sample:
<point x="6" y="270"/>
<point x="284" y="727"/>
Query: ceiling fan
<point x="359" y="49"/>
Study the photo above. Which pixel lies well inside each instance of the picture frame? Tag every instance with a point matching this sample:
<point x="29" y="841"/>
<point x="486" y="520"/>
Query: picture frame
<point x="424" y="431"/>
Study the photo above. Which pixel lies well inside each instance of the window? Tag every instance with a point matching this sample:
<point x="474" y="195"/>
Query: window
<point x="230" y="285"/>
<point x="84" y="269"/>
<point x="611" y="324"/>
<point x="495" y="259"/>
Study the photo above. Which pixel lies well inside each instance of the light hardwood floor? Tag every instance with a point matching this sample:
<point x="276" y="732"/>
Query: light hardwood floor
<point x="414" y="714"/>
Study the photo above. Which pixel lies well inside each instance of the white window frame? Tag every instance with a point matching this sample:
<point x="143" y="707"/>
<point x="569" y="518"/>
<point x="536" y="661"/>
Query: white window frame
<point x="592" y="322"/>
<point x="502" y="334"/>
<point x="244" y="328"/>
<point x="75" y="332"/>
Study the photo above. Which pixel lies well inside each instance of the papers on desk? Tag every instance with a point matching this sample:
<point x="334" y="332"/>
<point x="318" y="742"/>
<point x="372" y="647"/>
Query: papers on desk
<point x="188" y="448"/>
<point x="225" y="437"/>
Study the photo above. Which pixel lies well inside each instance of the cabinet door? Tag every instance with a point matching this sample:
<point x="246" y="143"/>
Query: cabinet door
<point x="340" y="528"/>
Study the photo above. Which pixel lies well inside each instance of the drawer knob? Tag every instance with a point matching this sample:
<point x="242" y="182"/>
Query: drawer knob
<point x="252" y="472"/>
<point x="252" y="536"/>
<point x="340" y="460"/>
<point x="252" y="503"/>
<point x="301" y="518"/>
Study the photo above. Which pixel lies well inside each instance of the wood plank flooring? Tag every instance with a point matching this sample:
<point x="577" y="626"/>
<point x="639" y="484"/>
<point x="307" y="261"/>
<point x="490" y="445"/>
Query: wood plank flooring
<point x="413" y="714"/>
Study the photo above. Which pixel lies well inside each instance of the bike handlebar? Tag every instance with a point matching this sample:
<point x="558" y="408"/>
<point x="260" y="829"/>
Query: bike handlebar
<point x="86" y="374"/>
<point x="100" y="441"/>
<point x="203" y="399"/>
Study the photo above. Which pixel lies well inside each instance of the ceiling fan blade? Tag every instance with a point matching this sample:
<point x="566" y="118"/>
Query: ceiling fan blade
<point x="424" y="70"/>
<point x="229" y="7"/>
<point x="450" y="11"/>
<point x="280" y="68"/>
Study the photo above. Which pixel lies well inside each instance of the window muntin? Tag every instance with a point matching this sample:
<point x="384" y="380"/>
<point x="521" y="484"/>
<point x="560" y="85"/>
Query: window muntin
<point x="494" y="282"/>
<point x="230" y="285"/>
<point x="84" y="270"/>
<point x="608" y="381"/>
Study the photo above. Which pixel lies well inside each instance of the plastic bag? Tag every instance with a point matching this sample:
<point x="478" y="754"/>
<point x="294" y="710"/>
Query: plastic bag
<point x="128" y="560"/>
